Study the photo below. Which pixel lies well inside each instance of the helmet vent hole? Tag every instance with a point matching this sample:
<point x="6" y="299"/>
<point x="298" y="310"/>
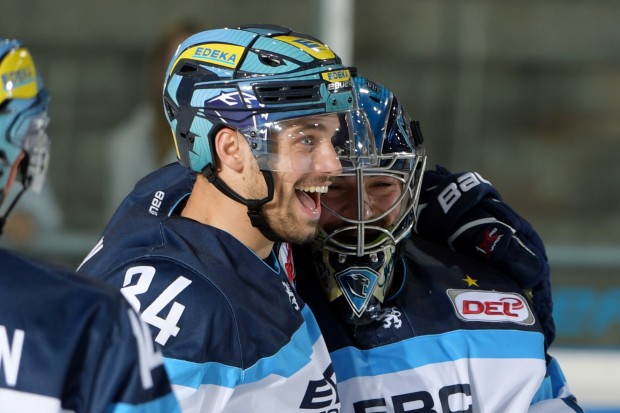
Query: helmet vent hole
<point x="187" y="68"/>
<point x="171" y="111"/>
<point x="270" y="60"/>
<point x="291" y="92"/>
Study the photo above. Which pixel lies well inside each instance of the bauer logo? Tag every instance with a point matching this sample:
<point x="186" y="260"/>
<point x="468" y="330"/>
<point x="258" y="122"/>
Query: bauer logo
<point x="225" y="55"/>
<point x="491" y="306"/>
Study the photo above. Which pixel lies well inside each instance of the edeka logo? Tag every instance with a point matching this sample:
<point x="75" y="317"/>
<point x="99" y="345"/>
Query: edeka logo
<point x="17" y="78"/>
<point x="322" y="394"/>
<point x="491" y="306"/>
<point x="215" y="55"/>
<point x="337" y="76"/>
<point x="226" y="55"/>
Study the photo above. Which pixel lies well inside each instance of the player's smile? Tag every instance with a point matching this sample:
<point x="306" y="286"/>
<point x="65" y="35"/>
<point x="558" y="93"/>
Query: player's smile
<point x="309" y="197"/>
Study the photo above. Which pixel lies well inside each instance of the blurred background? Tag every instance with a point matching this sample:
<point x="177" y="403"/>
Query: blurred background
<point x="527" y="93"/>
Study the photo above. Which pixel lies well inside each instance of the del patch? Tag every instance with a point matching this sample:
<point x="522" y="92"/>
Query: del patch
<point x="491" y="306"/>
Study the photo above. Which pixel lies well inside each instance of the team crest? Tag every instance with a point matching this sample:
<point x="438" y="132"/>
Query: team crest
<point x="357" y="285"/>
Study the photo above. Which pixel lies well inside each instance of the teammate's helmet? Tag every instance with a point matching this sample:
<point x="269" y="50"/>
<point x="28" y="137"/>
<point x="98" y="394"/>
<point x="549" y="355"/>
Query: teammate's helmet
<point x="358" y="252"/>
<point x="24" y="145"/>
<point x="250" y="79"/>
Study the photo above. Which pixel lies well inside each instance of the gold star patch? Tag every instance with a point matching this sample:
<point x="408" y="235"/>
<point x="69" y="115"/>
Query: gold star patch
<point x="470" y="281"/>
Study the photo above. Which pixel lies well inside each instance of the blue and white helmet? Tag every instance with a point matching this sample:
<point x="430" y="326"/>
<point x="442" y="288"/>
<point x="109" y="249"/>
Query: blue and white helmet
<point x="249" y="79"/>
<point x="24" y="144"/>
<point x="368" y="211"/>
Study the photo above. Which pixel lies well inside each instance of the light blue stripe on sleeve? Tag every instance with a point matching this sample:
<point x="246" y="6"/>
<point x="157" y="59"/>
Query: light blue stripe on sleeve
<point x="190" y="374"/>
<point x="553" y="384"/>
<point x="420" y="351"/>
<point x="287" y="361"/>
<point x="291" y="358"/>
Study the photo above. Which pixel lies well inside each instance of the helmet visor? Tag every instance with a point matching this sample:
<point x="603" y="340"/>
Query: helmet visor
<point x="328" y="143"/>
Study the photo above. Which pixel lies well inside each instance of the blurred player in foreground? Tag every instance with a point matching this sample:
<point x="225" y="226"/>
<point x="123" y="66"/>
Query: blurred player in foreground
<point x="67" y="343"/>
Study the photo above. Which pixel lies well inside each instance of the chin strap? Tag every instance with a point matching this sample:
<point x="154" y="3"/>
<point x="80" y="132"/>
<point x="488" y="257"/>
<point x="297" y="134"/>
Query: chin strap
<point x="10" y="208"/>
<point x="254" y="205"/>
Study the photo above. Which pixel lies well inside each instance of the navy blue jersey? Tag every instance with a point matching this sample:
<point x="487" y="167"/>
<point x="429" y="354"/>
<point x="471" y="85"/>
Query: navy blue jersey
<point x="235" y="335"/>
<point x="458" y="336"/>
<point x="72" y="344"/>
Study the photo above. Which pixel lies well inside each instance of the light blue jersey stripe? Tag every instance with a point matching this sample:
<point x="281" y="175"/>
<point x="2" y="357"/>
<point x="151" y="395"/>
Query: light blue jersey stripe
<point x="421" y="351"/>
<point x="286" y="362"/>
<point x="553" y="383"/>
<point x="190" y="374"/>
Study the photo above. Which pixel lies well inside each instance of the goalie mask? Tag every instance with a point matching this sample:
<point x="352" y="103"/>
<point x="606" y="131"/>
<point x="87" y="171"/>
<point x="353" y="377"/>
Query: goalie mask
<point x="369" y="209"/>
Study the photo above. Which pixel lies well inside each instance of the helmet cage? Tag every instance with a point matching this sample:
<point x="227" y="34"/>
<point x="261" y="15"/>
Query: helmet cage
<point x="408" y="174"/>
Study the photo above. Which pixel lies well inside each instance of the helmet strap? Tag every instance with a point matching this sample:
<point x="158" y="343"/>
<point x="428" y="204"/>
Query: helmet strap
<point x="4" y="191"/>
<point x="10" y="208"/>
<point x="255" y="206"/>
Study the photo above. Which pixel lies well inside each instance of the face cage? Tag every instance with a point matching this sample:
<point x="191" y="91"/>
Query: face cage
<point x="37" y="145"/>
<point x="27" y="133"/>
<point x="411" y="178"/>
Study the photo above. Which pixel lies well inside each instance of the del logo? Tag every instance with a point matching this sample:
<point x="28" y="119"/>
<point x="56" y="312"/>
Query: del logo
<point x="491" y="306"/>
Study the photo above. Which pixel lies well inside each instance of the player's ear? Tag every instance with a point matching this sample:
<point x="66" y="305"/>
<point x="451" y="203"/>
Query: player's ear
<point x="228" y="149"/>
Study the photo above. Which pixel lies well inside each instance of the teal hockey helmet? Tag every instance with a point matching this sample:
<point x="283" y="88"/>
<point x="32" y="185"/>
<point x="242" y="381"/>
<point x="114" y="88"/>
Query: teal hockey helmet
<point x="258" y="80"/>
<point x="24" y="144"/>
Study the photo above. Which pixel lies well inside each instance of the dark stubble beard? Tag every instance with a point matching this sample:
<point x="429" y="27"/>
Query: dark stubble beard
<point x="279" y="218"/>
<point x="288" y="230"/>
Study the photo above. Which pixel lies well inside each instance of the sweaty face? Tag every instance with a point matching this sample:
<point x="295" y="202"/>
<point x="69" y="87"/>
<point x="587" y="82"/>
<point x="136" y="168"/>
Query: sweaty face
<point x="306" y="160"/>
<point x="378" y="205"/>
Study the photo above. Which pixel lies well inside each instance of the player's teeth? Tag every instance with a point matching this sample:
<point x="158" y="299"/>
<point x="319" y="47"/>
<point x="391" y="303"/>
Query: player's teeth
<point x="319" y="189"/>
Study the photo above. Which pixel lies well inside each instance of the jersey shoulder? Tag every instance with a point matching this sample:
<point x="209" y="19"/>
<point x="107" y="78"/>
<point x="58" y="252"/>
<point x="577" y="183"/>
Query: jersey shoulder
<point x="77" y="341"/>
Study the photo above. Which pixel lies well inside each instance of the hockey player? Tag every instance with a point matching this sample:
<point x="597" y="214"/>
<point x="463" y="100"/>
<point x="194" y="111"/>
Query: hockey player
<point x="395" y="347"/>
<point x="414" y="326"/>
<point x="259" y="115"/>
<point x="67" y="343"/>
